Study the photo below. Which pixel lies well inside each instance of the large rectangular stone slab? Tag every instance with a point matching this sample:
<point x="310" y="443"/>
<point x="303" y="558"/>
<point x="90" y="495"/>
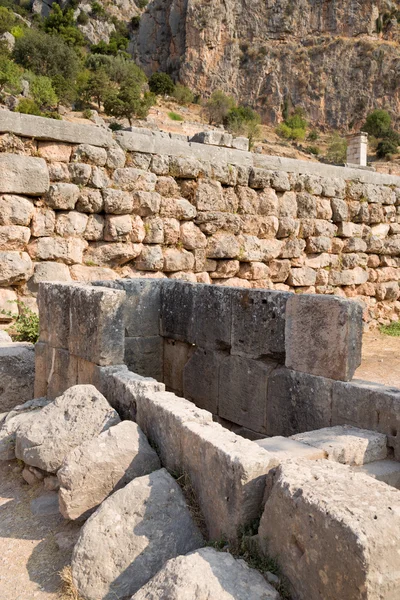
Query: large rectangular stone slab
<point x="176" y="355"/>
<point x="228" y="475"/>
<point x="346" y="444"/>
<point x="333" y="531"/>
<point x="297" y="402"/>
<point x="54" y="300"/>
<point x="369" y="406"/>
<point x="23" y="174"/>
<point x="323" y="335"/>
<point x="201" y="378"/>
<point x="42" y="128"/>
<point x="142" y="305"/>
<point x="97" y="329"/>
<point x="243" y="389"/>
<point x="212" y="317"/>
<point x="258" y="323"/>
<point x="177" y="309"/>
<point x="289" y="449"/>
<point x="144" y="356"/>
<point x="387" y="471"/>
<point x="17" y="374"/>
<point x="42" y="369"/>
<point x="63" y="372"/>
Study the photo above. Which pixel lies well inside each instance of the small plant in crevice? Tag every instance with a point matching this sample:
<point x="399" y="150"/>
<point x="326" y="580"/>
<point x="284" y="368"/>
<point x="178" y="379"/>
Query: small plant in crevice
<point x="25" y="327"/>
<point x="184" y="482"/>
<point x="68" y="589"/>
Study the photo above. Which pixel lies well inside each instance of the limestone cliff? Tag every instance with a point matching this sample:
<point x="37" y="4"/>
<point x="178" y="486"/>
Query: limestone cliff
<point x="336" y="58"/>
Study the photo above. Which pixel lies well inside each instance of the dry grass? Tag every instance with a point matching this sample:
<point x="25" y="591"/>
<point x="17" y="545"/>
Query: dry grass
<point x="187" y="489"/>
<point x="68" y="589"/>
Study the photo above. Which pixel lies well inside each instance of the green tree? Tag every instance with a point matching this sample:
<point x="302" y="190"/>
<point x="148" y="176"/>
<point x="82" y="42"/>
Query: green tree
<point x="337" y="149"/>
<point x="7" y="19"/>
<point x="129" y="101"/>
<point x="42" y="91"/>
<point x="386" y="148"/>
<point x="98" y="86"/>
<point x="45" y="54"/>
<point x="378" y="123"/>
<point x="243" y="120"/>
<point x="161" y="84"/>
<point x="10" y="75"/>
<point x="182" y="94"/>
<point x="62" y="22"/>
<point x="118" y="68"/>
<point x="218" y="106"/>
<point x="66" y="89"/>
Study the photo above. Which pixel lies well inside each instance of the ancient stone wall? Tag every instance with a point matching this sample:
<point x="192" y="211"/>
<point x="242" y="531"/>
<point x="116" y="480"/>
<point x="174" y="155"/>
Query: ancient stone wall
<point x="79" y="204"/>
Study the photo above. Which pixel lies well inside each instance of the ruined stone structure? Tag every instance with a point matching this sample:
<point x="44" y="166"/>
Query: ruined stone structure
<point x="78" y="204"/>
<point x="357" y="149"/>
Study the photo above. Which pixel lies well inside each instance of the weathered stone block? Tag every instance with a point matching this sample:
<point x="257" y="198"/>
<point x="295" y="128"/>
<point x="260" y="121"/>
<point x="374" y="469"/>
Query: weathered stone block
<point x="201" y="377"/>
<point x="177" y="309"/>
<point x="176" y="355"/>
<point x="62" y="372"/>
<point x="15" y="210"/>
<point x="17" y="374"/>
<point x="346" y="444"/>
<point x="323" y="336"/>
<point x="243" y="386"/>
<point x="97" y="324"/>
<point x="42" y="369"/>
<point x="288" y="448"/>
<point x="54" y="311"/>
<point x="69" y="250"/>
<point x="176" y="259"/>
<point x="210" y="325"/>
<point x="258" y="323"/>
<point x="297" y="402"/>
<point x="369" y="406"/>
<point x="151" y="259"/>
<point x="333" y="532"/>
<point x="23" y="175"/>
<point x="15" y="267"/>
<point x="144" y="355"/>
<point x="387" y="471"/>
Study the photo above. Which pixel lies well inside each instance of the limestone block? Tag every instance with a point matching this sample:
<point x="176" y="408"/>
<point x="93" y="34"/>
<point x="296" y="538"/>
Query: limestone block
<point x="90" y="154"/>
<point x="118" y="228"/>
<point x="346" y="444"/>
<point x="223" y="245"/>
<point x="54" y="310"/>
<point x="115" y="158"/>
<point x="101" y="466"/>
<point x="117" y="202"/>
<point x="348" y="229"/>
<point x="71" y="223"/>
<point x="15" y="210"/>
<point x="69" y="250"/>
<point x="201" y="377"/>
<point x="55" y="152"/>
<point x="302" y="276"/>
<point x="279" y="270"/>
<point x="151" y="259"/>
<point x="97" y="324"/>
<point x="89" y="274"/>
<point x="209" y="196"/>
<point x="62" y="196"/>
<point x="15" y="267"/>
<point x="125" y="535"/>
<point x="288" y="448"/>
<point x="62" y="371"/>
<point x="323" y="336"/>
<point x="10" y="422"/>
<point x="387" y="471"/>
<point x="42" y="128"/>
<point x="13" y="237"/>
<point x="191" y="236"/>
<point x="167" y="187"/>
<point x="42" y="369"/>
<point x="177" y="310"/>
<point x="280" y="181"/>
<point x="146" y="203"/>
<point x="23" y="175"/>
<point x="213" y="222"/>
<point x="226" y="269"/>
<point x="17" y="374"/>
<point x="154" y="229"/>
<point x="223" y="172"/>
<point x="369" y="406"/>
<point x="177" y="208"/>
<point x="160" y="164"/>
<point x="254" y="271"/>
<point x="99" y="178"/>
<point x="131" y="179"/>
<point x="211" y="451"/>
<point x="144" y="355"/>
<point x="48" y="271"/>
<point x="354" y="245"/>
<point x="288" y="226"/>
<point x="185" y="167"/>
<point x="243" y="384"/>
<point x="210" y="573"/>
<point x="79" y="415"/>
<point x="269" y="203"/>
<point x="356" y="276"/>
<point x="292" y="248"/>
<point x="43" y="222"/>
<point x="80" y="173"/>
<point x="258" y="323"/>
<point x="176" y="355"/>
<point x="249" y="201"/>
<point x="259" y="178"/>
<point x="90" y="201"/>
<point x="94" y="228"/>
<point x="139" y="160"/>
<point x="176" y="259"/>
<point x="124" y="390"/>
<point x="287" y="206"/>
<point x="297" y="402"/>
<point x="317" y="244"/>
<point x="112" y="253"/>
<point x="332" y="531"/>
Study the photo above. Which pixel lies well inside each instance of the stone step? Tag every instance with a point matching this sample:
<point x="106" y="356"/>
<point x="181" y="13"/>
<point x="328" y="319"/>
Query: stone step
<point x="347" y="445"/>
<point x="286" y="448"/>
<point x="387" y="471"/>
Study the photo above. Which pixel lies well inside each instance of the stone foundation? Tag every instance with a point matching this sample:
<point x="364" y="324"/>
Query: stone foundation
<point x="80" y="204"/>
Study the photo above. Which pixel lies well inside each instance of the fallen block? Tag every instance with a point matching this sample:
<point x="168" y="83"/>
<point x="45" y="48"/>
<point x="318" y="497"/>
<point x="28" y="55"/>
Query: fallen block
<point x="334" y="532"/>
<point x="17" y="374"/>
<point x="387" y="471"/>
<point x="289" y="448"/>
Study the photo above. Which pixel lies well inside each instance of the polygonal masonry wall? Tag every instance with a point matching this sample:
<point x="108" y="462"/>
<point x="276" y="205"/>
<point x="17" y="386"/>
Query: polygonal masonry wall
<point x="78" y="203"/>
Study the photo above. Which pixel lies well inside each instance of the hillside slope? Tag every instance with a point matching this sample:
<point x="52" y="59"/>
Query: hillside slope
<point x="338" y="59"/>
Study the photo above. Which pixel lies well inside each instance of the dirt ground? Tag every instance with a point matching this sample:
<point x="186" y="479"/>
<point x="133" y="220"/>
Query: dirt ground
<point x="30" y="560"/>
<point x="380" y="359"/>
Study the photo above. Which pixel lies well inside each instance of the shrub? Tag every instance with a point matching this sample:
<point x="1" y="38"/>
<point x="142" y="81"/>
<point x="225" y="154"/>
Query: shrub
<point x="175" y="117"/>
<point x="26" y="325"/>
<point x="161" y="84"/>
<point x="313" y="135"/>
<point x="142" y="3"/>
<point x="313" y="150"/>
<point x="29" y="107"/>
<point x="242" y="120"/>
<point x="83" y="18"/>
<point x="218" y="106"/>
<point x="284" y="131"/>
<point x="41" y="90"/>
<point x="294" y="126"/>
<point x="7" y="19"/>
<point x="114" y="126"/>
<point x="62" y="23"/>
<point x="135" y="22"/>
<point x="386" y="148"/>
<point x="377" y="123"/>
<point x="337" y="149"/>
<point x="87" y="113"/>
<point x="297" y="120"/>
<point x="18" y="31"/>
<point x="97" y="10"/>
<point x="298" y="134"/>
<point x="10" y="75"/>
<point x="182" y="94"/>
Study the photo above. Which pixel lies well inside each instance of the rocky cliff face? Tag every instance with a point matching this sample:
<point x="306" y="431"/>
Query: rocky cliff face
<point x="336" y="58"/>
